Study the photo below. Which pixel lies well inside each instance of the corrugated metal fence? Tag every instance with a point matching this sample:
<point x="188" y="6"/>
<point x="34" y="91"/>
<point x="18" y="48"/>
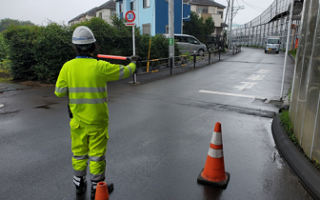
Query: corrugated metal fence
<point x="305" y="99"/>
<point x="272" y="22"/>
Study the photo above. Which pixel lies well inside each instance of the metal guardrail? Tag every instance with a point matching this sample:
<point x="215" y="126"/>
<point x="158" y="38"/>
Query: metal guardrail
<point x="162" y="64"/>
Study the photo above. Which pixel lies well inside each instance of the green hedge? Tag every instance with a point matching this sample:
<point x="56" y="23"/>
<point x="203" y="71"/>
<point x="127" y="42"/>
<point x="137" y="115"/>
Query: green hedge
<point x="39" y="52"/>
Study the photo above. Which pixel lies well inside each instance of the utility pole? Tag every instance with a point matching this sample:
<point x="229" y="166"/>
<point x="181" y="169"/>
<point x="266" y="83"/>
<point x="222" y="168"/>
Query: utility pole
<point x="227" y="14"/>
<point x="171" y="28"/>
<point x="230" y="32"/>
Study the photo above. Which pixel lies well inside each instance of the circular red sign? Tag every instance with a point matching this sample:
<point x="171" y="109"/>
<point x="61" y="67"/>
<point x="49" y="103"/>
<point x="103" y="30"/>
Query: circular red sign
<point x="130" y="16"/>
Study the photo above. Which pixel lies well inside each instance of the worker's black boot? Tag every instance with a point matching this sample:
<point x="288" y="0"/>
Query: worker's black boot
<point x="94" y="188"/>
<point x="80" y="183"/>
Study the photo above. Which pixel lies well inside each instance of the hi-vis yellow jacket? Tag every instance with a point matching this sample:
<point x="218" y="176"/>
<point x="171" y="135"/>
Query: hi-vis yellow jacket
<point x="84" y="80"/>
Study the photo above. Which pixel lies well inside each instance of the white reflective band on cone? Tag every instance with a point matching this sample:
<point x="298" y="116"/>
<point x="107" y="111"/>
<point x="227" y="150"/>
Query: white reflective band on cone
<point x="216" y="138"/>
<point x="215" y="153"/>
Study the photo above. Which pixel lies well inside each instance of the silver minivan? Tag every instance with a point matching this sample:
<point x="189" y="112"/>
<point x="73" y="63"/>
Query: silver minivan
<point x="189" y="44"/>
<point x="272" y="44"/>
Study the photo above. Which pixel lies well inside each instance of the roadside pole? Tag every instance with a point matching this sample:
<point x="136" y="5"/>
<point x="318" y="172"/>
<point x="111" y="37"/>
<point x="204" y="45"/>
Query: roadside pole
<point x="287" y="47"/>
<point x="134" y="53"/>
<point x="130" y="17"/>
<point x="171" y="28"/>
<point x="231" y="19"/>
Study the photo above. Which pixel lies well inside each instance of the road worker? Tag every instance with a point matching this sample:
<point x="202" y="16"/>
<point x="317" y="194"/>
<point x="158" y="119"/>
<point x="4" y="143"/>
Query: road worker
<point x="84" y="80"/>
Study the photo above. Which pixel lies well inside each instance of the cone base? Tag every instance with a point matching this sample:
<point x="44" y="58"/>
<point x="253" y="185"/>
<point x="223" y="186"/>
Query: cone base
<point x="222" y="184"/>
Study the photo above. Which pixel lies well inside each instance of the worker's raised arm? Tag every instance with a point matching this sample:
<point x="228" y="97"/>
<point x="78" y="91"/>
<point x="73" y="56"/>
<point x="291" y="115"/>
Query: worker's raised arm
<point x="116" y="72"/>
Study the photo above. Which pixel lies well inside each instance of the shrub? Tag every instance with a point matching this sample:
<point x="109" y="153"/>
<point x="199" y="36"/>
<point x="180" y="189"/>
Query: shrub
<point x="38" y="52"/>
<point x="3" y="49"/>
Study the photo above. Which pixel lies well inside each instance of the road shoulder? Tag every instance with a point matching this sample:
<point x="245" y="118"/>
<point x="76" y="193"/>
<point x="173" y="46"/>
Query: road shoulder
<point x="308" y="175"/>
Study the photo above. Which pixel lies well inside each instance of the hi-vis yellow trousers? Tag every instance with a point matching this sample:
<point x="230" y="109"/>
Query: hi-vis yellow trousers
<point x="89" y="142"/>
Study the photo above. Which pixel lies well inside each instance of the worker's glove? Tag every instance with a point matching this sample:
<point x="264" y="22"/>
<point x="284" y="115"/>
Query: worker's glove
<point x="135" y="58"/>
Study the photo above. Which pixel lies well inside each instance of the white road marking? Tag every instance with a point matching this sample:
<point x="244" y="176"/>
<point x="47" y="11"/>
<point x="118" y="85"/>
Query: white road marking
<point x="246" y="85"/>
<point x="230" y="94"/>
<point x="263" y="71"/>
<point x="256" y="77"/>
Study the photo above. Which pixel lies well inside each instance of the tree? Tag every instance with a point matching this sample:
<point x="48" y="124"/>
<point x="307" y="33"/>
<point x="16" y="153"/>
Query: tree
<point x="5" y="23"/>
<point x="208" y="27"/>
<point x="199" y="27"/>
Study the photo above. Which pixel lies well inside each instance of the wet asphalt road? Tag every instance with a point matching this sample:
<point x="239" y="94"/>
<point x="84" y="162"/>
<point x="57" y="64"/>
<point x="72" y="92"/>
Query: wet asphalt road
<point x="159" y="136"/>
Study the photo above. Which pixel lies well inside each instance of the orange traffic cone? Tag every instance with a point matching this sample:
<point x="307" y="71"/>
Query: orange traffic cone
<point x="102" y="191"/>
<point x="214" y="172"/>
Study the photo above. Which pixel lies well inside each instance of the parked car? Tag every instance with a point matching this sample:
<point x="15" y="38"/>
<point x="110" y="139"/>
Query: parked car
<point x="273" y="44"/>
<point x="189" y="44"/>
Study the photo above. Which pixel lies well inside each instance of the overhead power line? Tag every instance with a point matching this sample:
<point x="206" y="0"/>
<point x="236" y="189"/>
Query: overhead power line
<point x="253" y="6"/>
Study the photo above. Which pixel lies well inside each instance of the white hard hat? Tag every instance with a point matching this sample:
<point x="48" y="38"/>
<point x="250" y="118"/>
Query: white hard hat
<point x="82" y="35"/>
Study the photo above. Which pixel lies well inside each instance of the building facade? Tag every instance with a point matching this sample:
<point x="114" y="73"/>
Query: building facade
<point x="152" y="16"/>
<point x="207" y="8"/>
<point x="105" y="11"/>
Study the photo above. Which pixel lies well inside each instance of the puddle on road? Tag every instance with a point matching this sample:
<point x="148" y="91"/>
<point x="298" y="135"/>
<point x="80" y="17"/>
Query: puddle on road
<point x="46" y="106"/>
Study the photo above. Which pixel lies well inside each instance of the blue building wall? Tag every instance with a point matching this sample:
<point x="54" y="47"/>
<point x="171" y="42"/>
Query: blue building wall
<point x="146" y="15"/>
<point x="162" y="17"/>
<point x="186" y="13"/>
<point x="157" y="14"/>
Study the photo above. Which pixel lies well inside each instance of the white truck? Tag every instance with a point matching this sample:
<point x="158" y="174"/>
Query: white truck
<point x="272" y="44"/>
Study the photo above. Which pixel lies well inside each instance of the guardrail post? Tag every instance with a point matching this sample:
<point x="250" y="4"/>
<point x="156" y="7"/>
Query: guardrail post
<point x="194" y="61"/>
<point x="209" y="57"/>
<point x="171" y="64"/>
<point x="135" y="74"/>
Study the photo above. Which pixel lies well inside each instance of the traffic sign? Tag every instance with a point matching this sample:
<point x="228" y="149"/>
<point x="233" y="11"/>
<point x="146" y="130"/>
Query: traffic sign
<point x="130" y="16"/>
<point x="170" y="41"/>
<point x="130" y="24"/>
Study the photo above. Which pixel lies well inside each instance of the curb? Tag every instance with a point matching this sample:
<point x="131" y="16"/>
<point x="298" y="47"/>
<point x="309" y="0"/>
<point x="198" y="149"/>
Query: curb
<point x="308" y="175"/>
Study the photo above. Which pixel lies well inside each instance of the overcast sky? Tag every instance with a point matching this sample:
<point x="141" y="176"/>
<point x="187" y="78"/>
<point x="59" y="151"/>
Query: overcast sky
<point x="61" y="11"/>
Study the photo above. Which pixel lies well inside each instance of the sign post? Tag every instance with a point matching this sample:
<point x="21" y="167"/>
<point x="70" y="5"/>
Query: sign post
<point x="130" y="17"/>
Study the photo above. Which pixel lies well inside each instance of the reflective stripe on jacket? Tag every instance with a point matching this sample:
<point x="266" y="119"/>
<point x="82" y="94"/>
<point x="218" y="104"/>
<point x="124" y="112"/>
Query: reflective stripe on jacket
<point x="85" y="82"/>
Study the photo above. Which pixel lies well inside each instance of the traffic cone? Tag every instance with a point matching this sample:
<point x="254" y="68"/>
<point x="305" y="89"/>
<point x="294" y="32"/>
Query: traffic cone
<point x="214" y="172"/>
<point x="102" y="191"/>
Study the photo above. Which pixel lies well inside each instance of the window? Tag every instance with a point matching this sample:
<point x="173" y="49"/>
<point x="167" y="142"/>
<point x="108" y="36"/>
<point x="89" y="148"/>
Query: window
<point x="120" y="8"/>
<point x="220" y="13"/>
<point x="192" y="40"/>
<point x="146" y="3"/>
<point x="132" y="5"/>
<point x="100" y="15"/>
<point x="202" y="9"/>
<point x="146" y="29"/>
<point x="184" y="39"/>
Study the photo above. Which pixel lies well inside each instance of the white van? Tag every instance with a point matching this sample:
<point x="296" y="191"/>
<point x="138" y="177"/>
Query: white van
<point x="272" y="44"/>
<point x="189" y="44"/>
